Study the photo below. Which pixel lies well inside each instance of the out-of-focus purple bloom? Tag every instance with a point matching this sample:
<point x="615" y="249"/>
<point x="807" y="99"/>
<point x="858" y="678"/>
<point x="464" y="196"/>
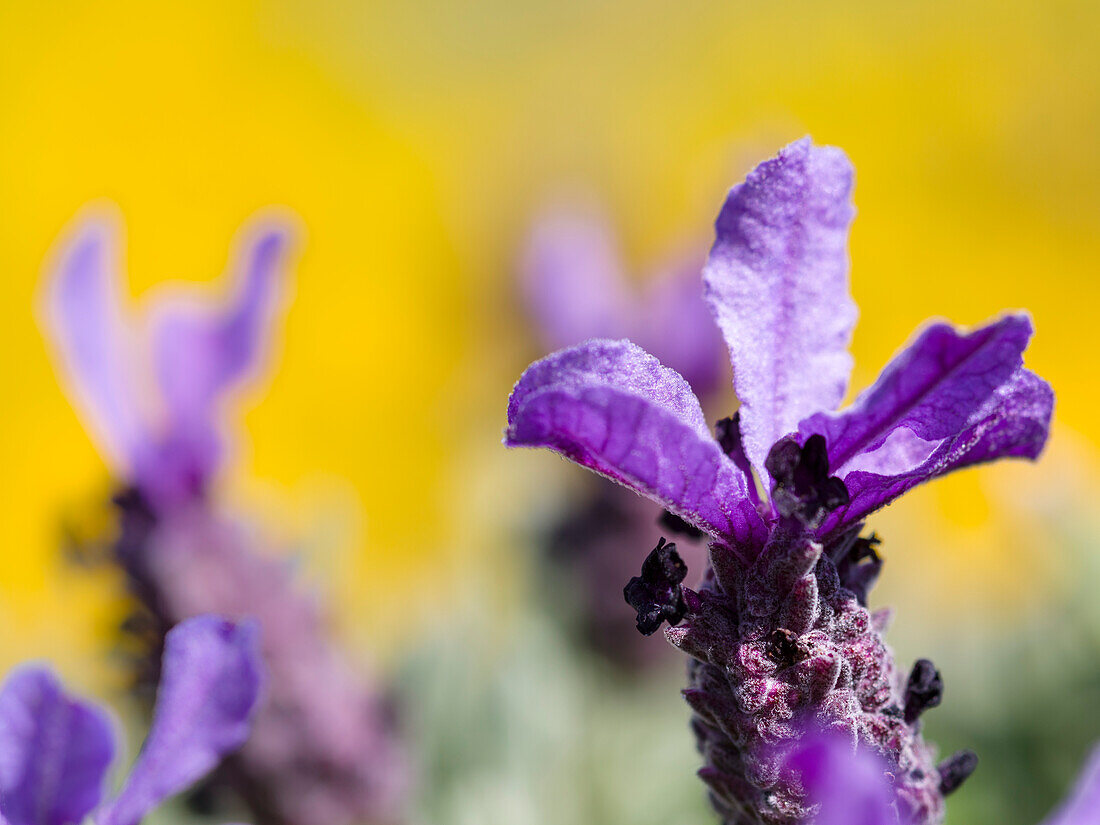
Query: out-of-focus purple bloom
<point x="845" y="783"/>
<point x="575" y="288"/>
<point x="1082" y="807"/>
<point x="55" y="750"/>
<point x="152" y="388"/>
<point x="155" y="390"/>
<point x="848" y="785"/>
<point x="778" y="632"/>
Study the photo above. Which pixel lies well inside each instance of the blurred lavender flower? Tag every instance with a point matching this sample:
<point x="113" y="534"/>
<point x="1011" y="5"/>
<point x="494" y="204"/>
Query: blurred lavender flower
<point x="779" y="633"/>
<point x="575" y="287"/>
<point x="849" y="786"/>
<point x="155" y="396"/>
<point x="55" y="750"/>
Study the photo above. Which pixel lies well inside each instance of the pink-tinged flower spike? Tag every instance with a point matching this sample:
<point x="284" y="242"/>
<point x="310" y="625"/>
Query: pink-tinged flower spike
<point x="160" y="422"/>
<point x="575" y="288"/>
<point x="779" y="633"/>
<point x="55" y="750"/>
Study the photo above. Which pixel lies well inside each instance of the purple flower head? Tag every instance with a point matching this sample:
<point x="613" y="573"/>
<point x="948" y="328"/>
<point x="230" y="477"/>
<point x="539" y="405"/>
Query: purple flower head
<point x="152" y="388"/>
<point x="575" y="287"/>
<point x="55" y="750"/>
<point x="779" y="633"/>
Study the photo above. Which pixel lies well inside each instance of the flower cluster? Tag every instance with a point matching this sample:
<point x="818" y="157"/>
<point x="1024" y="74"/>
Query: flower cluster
<point x="779" y="634"/>
<point x="153" y="390"/>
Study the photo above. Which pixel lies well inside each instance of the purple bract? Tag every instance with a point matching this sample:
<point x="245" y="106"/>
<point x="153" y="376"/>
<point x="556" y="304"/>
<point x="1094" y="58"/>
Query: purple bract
<point x="779" y="633"/>
<point x="55" y="750"/>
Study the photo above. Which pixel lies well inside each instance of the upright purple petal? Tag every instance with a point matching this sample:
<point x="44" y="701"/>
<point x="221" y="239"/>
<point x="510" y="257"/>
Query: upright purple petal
<point x="848" y="786"/>
<point x="932" y="389"/>
<point x="572" y="279"/>
<point x="612" y="407"/>
<point x="85" y="320"/>
<point x="203" y="351"/>
<point x="54" y="751"/>
<point x="1014" y="422"/>
<point x="1083" y="805"/>
<point x="777" y="282"/>
<point x="210" y="683"/>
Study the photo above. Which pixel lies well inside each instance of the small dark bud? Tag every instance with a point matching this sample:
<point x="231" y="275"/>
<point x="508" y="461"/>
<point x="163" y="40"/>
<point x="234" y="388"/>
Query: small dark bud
<point x="674" y="524"/>
<point x="955" y="770"/>
<point x="783" y="647"/>
<point x="833" y="494"/>
<point x="815" y="458"/>
<point x="657" y="594"/>
<point x="728" y="433"/>
<point x="924" y="690"/>
<point x="783" y="460"/>
<point x="803" y="487"/>
<point x="860" y="566"/>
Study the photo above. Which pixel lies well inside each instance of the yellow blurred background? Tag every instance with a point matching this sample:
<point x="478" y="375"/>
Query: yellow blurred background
<point x="416" y="140"/>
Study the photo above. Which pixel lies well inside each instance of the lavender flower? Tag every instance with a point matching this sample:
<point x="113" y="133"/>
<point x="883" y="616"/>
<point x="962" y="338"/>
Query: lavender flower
<point x="575" y="287"/>
<point x="324" y="747"/>
<point x="779" y="635"/>
<point x="55" y="750"/>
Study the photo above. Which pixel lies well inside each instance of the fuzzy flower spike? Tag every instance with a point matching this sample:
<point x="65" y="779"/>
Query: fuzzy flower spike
<point x="55" y="750"/>
<point x="779" y="633"/>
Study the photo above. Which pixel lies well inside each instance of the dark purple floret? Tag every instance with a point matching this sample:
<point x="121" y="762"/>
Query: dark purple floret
<point x="955" y="770"/>
<point x="803" y="487"/>
<point x="674" y="524"/>
<point x="858" y="564"/>
<point x="657" y="594"/>
<point x="923" y="691"/>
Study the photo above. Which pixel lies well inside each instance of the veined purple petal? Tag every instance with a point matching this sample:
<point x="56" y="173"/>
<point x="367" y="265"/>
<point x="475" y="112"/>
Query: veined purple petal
<point x="777" y="282"/>
<point x="932" y="389"/>
<point x="54" y="751"/>
<point x="1083" y="805"/>
<point x="210" y="683"/>
<point x="612" y="407"/>
<point x="202" y="351"/>
<point x="84" y="318"/>
<point x="848" y="785"/>
<point x="1012" y="423"/>
<point x="573" y="281"/>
